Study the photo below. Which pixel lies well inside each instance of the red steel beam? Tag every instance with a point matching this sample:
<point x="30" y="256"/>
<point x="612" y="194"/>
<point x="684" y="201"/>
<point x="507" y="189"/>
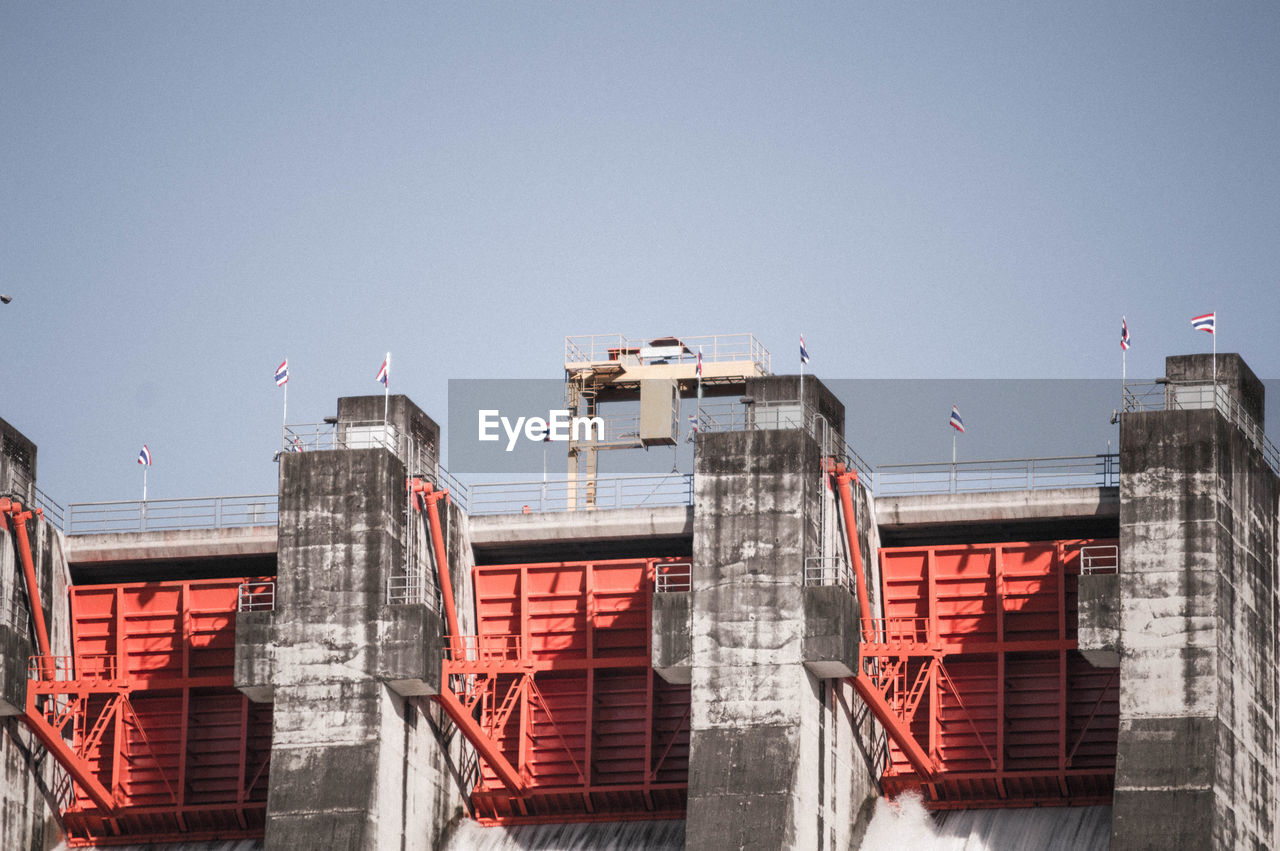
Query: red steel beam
<point x="19" y="519"/>
<point x="485" y="745"/>
<point x="843" y="479"/>
<point x="893" y="725"/>
<point x="74" y="764"/>
<point x="431" y="496"/>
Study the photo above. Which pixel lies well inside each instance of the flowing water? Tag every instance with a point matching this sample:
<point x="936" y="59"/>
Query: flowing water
<point x="665" y="835"/>
<point x="905" y="823"/>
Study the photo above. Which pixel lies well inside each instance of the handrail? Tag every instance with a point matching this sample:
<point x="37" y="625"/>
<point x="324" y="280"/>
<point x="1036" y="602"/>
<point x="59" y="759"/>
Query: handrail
<point x="828" y="570"/>
<point x="586" y="349"/>
<point x="421" y="459"/>
<point x="896" y="630"/>
<point x="256" y="596"/>
<point x="672" y="576"/>
<point x="92" y="666"/>
<point x="1099" y="558"/>
<point x="718" y="416"/>
<point x="1200" y="395"/>
<point x="52" y="511"/>
<point x="484" y="648"/>
<point x="611" y="492"/>
<point x="210" y="512"/>
<point x="1065" y="471"/>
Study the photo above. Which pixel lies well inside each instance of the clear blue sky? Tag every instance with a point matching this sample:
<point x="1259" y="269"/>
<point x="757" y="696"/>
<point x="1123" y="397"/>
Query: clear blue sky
<point x="193" y="191"/>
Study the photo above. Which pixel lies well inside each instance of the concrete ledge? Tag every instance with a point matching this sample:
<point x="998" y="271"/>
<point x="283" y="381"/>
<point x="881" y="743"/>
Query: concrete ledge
<point x="830" y="632"/>
<point x="603" y="525"/>
<point x="672" y="629"/>
<point x="410" y="650"/>
<point x="1099" y="619"/>
<point x="171" y="544"/>
<point x="935" y="509"/>
<point x="255" y="667"/>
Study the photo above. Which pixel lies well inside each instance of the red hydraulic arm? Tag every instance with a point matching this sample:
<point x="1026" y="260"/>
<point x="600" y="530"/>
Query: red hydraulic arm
<point x="843" y="479"/>
<point x="17" y="520"/>
<point x="430" y="496"/>
<point x="13" y="515"/>
<point x="872" y="692"/>
<point x="448" y="700"/>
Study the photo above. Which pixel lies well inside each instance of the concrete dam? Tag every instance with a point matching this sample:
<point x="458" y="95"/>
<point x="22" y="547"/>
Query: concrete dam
<point x="784" y="648"/>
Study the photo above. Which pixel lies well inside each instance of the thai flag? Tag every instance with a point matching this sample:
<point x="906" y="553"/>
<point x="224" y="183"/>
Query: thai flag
<point x="956" y="422"/>
<point x="384" y="371"/>
<point x="804" y="353"/>
<point x="699" y="373"/>
<point x="1204" y="323"/>
<point x="282" y="373"/>
<point x="693" y="423"/>
<point x="144" y="457"/>
<point x="1124" y="334"/>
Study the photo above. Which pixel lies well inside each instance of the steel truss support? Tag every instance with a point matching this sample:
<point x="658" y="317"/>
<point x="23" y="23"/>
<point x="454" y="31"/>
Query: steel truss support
<point x="455" y="665"/>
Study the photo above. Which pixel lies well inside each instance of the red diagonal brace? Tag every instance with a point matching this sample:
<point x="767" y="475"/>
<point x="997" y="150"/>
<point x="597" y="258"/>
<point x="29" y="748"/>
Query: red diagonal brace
<point x="486" y="746"/>
<point x="894" y="726"/>
<point x="74" y="764"/>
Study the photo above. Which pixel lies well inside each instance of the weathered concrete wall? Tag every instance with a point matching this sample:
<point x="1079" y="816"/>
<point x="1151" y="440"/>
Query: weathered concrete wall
<point x="351" y="766"/>
<point x="17" y="464"/>
<point x="773" y="760"/>
<point x="27" y="817"/>
<point x="1197" y="760"/>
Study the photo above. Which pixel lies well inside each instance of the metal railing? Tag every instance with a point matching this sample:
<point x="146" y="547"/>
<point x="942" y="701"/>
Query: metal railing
<point x="828" y="570"/>
<point x="420" y="459"/>
<point x="781" y="414"/>
<point x="412" y="584"/>
<point x="586" y="349"/>
<point x="1072" y="471"/>
<point x="483" y="648"/>
<point x="895" y="631"/>
<point x="95" y="666"/>
<point x="213" y="512"/>
<point x="17" y="613"/>
<point x="1099" y="558"/>
<point x="672" y="576"/>
<point x="256" y="597"/>
<point x="53" y="512"/>
<point x="527" y="497"/>
<point x="1201" y="395"/>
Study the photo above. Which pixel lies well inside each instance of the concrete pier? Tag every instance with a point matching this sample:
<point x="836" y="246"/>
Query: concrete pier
<point x="27" y="779"/>
<point x="772" y="744"/>
<point x="351" y="766"/>
<point x="1197" y="760"/>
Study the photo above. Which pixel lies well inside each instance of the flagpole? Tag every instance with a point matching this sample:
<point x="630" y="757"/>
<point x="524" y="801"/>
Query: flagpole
<point x="386" y="392"/>
<point x="284" y="423"/>
<point x="699" y="405"/>
<point x="144" y="482"/>
<point x="802" y="381"/>
<point x="1215" y="358"/>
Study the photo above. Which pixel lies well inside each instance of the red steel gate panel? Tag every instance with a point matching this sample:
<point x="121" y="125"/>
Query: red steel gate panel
<point x="596" y="734"/>
<point x="1017" y="716"/>
<point x="184" y="754"/>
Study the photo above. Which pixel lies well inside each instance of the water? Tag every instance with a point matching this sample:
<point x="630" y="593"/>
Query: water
<point x="665" y="835"/>
<point x="905" y="823"/>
